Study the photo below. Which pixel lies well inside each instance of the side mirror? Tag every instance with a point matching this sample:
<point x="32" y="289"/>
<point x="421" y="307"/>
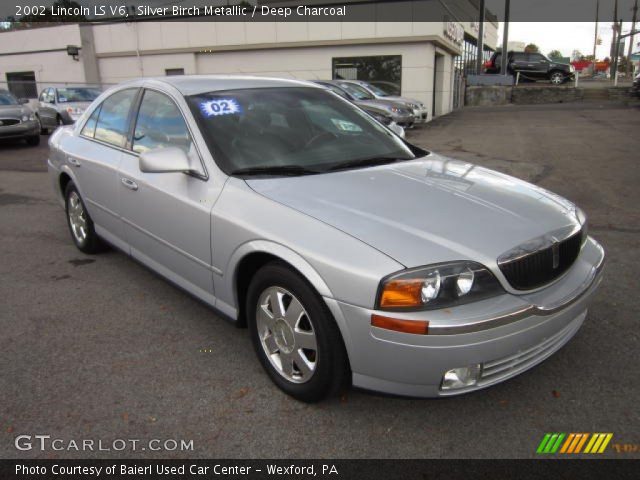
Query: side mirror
<point x="24" y="101"/>
<point x="164" y="160"/>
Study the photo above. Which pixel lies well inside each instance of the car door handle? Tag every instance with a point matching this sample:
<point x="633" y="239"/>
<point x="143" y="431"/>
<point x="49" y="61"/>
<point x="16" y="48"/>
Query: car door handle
<point x="73" y="161"/>
<point x="130" y="184"/>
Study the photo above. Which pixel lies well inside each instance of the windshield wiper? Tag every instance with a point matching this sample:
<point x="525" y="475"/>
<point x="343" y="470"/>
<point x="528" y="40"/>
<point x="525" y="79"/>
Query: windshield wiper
<point x="291" y="170"/>
<point x="366" y="162"/>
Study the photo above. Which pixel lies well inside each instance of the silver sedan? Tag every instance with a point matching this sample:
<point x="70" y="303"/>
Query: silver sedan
<point x="351" y="255"/>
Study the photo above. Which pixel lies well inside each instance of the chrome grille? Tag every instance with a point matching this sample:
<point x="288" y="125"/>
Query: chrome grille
<point x="539" y="268"/>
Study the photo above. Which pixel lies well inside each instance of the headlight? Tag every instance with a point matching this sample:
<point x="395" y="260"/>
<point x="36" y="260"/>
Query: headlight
<point x="437" y="286"/>
<point x="26" y="117"/>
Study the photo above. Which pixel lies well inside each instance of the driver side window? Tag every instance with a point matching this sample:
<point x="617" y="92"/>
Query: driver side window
<point x="160" y="124"/>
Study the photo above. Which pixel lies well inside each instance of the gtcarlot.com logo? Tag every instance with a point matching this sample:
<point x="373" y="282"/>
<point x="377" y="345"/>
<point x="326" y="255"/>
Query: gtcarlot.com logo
<point x="573" y="443"/>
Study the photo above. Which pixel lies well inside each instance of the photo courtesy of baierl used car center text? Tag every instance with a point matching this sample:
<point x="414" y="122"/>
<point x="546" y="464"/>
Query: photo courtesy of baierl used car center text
<point x="335" y="239"/>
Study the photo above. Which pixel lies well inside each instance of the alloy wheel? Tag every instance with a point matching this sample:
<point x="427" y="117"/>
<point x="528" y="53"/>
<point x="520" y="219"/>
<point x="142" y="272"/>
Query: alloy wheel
<point x="77" y="218"/>
<point x="286" y="334"/>
<point x="557" y="78"/>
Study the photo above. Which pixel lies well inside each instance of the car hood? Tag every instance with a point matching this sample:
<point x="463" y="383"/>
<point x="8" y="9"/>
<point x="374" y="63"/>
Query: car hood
<point x="403" y="100"/>
<point x="14" y="110"/>
<point x="425" y="211"/>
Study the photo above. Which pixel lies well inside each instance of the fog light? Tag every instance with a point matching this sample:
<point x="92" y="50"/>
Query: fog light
<point x="461" y="377"/>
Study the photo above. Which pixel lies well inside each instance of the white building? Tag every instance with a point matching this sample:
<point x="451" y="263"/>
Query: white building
<point x="419" y="57"/>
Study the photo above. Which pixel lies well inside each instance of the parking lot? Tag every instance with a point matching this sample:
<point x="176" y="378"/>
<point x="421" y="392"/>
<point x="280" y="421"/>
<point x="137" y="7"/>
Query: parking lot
<point x="99" y="347"/>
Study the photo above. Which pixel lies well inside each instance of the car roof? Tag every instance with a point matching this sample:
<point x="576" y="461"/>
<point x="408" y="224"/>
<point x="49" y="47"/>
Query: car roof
<point x="195" y="84"/>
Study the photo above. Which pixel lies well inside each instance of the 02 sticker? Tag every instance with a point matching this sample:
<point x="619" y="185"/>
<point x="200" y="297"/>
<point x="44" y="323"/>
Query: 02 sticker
<point x="220" y="106"/>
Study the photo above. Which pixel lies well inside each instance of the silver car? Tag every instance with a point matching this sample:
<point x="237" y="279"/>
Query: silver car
<point x="63" y="106"/>
<point x="351" y="255"/>
<point x="420" y="111"/>
<point x="17" y="120"/>
<point x="399" y="113"/>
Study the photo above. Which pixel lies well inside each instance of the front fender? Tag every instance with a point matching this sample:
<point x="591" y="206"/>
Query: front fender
<point x="226" y="289"/>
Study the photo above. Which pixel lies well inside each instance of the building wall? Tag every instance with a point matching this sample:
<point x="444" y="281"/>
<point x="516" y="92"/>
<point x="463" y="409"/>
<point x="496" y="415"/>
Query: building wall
<point x="51" y="65"/>
<point x="112" y="53"/>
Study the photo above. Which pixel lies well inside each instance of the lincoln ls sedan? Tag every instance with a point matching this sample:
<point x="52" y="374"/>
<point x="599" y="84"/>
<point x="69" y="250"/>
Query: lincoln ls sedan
<point x="352" y="256"/>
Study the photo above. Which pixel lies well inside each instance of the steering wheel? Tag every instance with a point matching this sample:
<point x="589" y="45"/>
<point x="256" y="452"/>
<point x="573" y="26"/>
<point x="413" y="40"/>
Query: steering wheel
<point x="318" y="136"/>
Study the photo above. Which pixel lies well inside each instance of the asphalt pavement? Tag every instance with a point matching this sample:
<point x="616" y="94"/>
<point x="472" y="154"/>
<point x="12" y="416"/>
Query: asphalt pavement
<point x="99" y="347"/>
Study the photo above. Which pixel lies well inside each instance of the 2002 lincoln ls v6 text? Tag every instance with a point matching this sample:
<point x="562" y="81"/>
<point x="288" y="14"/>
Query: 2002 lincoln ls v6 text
<point x="350" y="254"/>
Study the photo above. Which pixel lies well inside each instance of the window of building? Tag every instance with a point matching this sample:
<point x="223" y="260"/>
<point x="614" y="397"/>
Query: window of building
<point x="112" y="120"/>
<point x="22" y="84"/>
<point x="384" y="71"/>
<point x="160" y="124"/>
<point x="174" y="71"/>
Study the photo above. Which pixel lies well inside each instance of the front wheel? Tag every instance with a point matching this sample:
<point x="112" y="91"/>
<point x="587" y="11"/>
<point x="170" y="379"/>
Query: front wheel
<point x="294" y="335"/>
<point x="557" y="78"/>
<point x="80" y="224"/>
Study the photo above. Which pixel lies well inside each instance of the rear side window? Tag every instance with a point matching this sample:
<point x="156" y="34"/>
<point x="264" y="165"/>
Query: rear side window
<point x="112" y="119"/>
<point x="89" y="128"/>
<point x="160" y="124"/>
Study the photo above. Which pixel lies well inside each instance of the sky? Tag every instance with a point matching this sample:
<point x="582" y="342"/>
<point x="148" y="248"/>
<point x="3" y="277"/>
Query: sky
<point x="565" y="36"/>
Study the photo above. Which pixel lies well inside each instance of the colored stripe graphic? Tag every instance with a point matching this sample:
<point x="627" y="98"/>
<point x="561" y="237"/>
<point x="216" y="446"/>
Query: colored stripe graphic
<point x="555" y="443"/>
<point x="550" y="443"/>
<point x="598" y="442"/>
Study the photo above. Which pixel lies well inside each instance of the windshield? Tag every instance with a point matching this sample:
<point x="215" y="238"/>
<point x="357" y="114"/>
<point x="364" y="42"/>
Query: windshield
<point x="377" y="91"/>
<point x="297" y="130"/>
<point x="356" y="91"/>
<point x="7" y="98"/>
<point x="77" y="94"/>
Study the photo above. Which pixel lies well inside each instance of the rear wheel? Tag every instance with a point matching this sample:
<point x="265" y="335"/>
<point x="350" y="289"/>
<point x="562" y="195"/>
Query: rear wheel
<point x="557" y="78"/>
<point x="80" y="224"/>
<point x="294" y="335"/>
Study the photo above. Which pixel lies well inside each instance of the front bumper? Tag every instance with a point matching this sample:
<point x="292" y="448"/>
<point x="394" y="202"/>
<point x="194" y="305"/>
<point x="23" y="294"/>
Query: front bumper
<point x="20" y="130"/>
<point x="421" y="115"/>
<point x="506" y="335"/>
<point x="405" y="121"/>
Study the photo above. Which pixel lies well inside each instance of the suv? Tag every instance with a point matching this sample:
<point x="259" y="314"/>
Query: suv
<point x="532" y="66"/>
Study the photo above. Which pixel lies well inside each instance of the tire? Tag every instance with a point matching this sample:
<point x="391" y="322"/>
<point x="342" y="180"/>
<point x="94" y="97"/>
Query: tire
<point x="33" y="141"/>
<point x="307" y="357"/>
<point x="557" y="78"/>
<point x="80" y="224"/>
<point x="43" y="130"/>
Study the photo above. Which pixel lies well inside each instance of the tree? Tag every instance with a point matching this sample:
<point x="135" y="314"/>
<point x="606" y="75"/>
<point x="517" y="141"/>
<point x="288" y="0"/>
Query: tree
<point x="532" y="48"/>
<point x="555" y="54"/>
<point x="577" y="55"/>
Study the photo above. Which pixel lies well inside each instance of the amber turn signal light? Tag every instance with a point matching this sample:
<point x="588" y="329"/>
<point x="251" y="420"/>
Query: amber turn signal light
<point x="401" y="293"/>
<point x="416" y="327"/>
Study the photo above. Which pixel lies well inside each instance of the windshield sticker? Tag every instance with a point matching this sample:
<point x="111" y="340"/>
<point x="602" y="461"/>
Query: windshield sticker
<point x="222" y="106"/>
<point x="346" y="126"/>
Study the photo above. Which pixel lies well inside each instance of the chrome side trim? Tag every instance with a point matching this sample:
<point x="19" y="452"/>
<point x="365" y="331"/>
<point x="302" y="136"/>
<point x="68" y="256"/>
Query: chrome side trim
<point x="531" y="310"/>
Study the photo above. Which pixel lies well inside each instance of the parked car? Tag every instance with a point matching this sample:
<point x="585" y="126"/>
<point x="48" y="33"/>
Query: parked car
<point x="17" y="120"/>
<point x="350" y="253"/>
<point x="531" y="66"/>
<point x="395" y="117"/>
<point x="420" y="112"/>
<point x="398" y="112"/>
<point x="635" y="88"/>
<point x="63" y="106"/>
<point x="388" y="87"/>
